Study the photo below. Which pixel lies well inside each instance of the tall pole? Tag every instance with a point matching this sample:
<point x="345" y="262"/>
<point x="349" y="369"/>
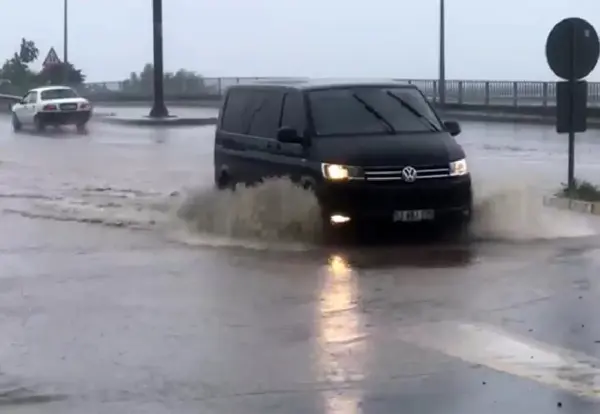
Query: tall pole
<point x="159" y="109"/>
<point x="442" y="79"/>
<point x="66" y="40"/>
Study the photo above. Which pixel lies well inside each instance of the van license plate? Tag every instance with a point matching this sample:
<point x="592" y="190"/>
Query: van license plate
<point x="411" y="216"/>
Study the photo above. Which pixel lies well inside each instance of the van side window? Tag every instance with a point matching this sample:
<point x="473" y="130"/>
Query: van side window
<point x="264" y="120"/>
<point x="236" y="111"/>
<point x="293" y="112"/>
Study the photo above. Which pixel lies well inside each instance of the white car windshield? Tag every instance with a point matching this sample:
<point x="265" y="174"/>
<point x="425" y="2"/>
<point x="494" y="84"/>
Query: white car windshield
<point x="58" y="94"/>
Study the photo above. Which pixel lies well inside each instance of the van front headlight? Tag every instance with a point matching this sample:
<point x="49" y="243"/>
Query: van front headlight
<point x="458" y="168"/>
<point x="337" y="172"/>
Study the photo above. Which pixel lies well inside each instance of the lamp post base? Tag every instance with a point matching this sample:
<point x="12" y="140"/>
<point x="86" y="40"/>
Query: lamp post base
<point x="159" y="111"/>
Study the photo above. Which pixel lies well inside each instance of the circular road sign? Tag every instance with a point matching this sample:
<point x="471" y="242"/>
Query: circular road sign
<point x="572" y="48"/>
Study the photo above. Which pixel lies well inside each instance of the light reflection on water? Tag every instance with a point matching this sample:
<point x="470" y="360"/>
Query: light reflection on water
<point x="342" y="341"/>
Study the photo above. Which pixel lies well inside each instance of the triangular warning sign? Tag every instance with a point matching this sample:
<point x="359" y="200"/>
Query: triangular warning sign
<point x="51" y="58"/>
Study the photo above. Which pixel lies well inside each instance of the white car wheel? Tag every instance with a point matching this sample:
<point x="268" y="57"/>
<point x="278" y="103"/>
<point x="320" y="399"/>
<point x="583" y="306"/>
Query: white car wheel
<point x="16" y="124"/>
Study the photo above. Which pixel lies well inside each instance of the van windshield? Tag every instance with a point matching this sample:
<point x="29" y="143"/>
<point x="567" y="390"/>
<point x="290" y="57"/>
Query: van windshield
<point x="370" y="111"/>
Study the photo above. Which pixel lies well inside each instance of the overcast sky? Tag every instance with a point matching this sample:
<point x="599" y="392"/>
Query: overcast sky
<point x="486" y="39"/>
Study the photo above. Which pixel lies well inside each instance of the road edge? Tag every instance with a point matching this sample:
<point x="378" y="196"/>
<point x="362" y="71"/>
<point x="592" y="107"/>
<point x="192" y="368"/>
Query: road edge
<point x="154" y="122"/>
<point x="578" y="206"/>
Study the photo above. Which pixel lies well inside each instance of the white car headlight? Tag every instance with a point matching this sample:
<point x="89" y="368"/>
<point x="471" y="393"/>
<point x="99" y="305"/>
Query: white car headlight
<point x="336" y="172"/>
<point x="458" y="168"/>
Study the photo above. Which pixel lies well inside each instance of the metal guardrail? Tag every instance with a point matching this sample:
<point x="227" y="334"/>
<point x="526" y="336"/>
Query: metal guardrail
<point x="492" y="93"/>
<point x="466" y="92"/>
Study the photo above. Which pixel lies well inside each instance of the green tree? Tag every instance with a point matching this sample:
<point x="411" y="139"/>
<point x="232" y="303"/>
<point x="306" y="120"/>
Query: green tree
<point x="15" y="71"/>
<point x="28" y="52"/>
<point x="181" y="82"/>
<point x="18" y="77"/>
<point x="55" y="74"/>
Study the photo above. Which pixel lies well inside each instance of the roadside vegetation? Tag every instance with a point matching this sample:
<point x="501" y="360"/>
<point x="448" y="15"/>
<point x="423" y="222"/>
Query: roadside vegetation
<point x="583" y="190"/>
<point x="17" y="74"/>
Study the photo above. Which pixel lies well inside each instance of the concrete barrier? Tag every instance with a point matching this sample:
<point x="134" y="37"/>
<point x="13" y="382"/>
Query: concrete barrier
<point x="7" y="101"/>
<point x="579" y="206"/>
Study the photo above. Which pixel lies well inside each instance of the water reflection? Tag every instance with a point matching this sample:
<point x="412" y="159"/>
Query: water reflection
<point x="433" y="256"/>
<point x="342" y="341"/>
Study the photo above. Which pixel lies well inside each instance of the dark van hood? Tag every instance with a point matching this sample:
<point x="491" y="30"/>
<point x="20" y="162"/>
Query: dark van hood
<point x="387" y="150"/>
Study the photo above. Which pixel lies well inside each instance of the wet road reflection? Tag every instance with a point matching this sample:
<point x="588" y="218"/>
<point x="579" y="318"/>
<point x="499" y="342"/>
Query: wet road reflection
<point x="110" y="303"/>
<point x="342" y="339"/>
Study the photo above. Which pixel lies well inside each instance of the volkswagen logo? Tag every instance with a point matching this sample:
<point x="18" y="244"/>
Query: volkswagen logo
<point x="409" y="174"/>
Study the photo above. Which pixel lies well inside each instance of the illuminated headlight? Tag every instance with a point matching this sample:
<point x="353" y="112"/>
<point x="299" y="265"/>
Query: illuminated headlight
<point x="459" y="168"/>
<point x="335" y="172"/>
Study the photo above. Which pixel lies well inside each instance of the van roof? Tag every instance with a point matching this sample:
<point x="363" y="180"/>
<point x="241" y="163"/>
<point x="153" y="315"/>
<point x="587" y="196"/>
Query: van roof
<point x="308" y="84"/>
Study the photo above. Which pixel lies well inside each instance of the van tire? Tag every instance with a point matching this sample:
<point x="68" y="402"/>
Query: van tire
<point x="224" y="182"/>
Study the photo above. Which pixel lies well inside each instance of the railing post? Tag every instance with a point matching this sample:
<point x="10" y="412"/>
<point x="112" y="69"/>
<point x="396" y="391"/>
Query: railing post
<point x="460" y="92"/>
<point x="545" y="94"/>
<point x="435" y="91"/>
<point x="220" y="86"/>
<point x="515" y="94"/>
<point x="486" y="93"/>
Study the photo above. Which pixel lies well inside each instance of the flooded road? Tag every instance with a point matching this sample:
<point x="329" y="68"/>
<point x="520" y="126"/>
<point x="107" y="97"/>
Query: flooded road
<point x="109" y="302"/>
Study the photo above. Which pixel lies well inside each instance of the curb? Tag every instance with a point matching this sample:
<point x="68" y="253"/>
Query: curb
<point x="578" y="206"/>
<point x="165" y="122"/>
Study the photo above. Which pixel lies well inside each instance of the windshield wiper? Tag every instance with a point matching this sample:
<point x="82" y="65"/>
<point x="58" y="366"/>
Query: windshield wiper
<point x="377" y="115"/>
<point x="414" y="111"/>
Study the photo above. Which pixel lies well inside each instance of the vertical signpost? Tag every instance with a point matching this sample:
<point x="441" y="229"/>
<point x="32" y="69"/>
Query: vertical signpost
<point x="572" y="51"/>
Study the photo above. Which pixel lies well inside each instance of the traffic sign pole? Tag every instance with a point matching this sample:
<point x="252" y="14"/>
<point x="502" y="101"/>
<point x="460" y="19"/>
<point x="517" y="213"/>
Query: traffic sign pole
<point x="572" y="51"/>
<point x="572" y="80"/>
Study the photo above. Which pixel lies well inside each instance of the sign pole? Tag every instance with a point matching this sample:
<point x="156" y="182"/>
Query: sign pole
<point x="572" y="81"/>
<point x="572" y="52"/>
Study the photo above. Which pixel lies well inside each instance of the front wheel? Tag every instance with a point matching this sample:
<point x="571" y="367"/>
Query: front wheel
<point x="39" y="124"/>
<point x="16" y="124"/>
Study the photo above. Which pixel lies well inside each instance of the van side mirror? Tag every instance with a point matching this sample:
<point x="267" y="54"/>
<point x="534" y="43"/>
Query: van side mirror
<point x="453" y="127"/>
<point x="289" y="136"/>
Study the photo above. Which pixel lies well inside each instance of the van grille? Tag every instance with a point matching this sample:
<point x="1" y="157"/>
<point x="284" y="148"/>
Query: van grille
<point x="395" y="173"/>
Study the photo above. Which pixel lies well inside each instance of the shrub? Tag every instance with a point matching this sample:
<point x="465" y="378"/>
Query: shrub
<point x="582" y="190"/>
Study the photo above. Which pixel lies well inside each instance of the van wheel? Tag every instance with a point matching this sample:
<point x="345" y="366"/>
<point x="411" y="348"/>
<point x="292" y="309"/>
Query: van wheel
<point x="16" y="124"/>
<point x="224" y="182"/>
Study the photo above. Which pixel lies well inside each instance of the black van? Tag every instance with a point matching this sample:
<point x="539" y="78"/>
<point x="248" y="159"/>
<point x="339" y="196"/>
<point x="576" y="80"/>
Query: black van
<point x="369" y="150"/>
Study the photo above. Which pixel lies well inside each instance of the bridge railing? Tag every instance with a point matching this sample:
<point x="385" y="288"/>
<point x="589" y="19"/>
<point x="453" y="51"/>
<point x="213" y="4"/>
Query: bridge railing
<point x="466" y="92"/>
<point x="500" y="93"/>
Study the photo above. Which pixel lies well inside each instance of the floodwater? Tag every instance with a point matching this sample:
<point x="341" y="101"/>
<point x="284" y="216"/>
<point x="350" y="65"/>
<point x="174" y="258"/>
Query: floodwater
<point x="129" y="285"/>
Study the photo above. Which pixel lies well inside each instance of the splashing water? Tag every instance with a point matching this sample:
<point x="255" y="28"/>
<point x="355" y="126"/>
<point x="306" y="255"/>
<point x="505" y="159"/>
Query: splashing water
<point x="514" y="210"/>
<point x="279" y="214"/>
<point x="276" y="210"/>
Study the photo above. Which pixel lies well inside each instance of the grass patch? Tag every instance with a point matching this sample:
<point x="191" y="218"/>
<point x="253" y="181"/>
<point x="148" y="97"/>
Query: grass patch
<point x="582" y="190"/>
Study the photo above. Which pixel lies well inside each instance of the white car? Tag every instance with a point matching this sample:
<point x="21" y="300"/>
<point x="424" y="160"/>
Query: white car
<point x="51" y="105"/>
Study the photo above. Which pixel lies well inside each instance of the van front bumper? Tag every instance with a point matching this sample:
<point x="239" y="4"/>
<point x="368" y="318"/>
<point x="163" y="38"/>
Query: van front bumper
<point x="450" y="198"/>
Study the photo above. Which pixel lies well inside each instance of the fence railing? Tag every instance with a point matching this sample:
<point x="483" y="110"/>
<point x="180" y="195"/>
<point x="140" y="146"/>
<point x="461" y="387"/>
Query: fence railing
<point x="466" y="92"/>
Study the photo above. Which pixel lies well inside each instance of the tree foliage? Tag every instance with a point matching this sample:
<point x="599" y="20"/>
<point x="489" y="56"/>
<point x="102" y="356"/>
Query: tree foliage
<point x="28" y="52"/>
<point x="18" y="75"/>
<point x="55" y="74"/>
<point x="181" y="81"/>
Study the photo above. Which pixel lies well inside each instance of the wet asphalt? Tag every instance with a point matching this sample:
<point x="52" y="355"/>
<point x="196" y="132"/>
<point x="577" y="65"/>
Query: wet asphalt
<point x="101" y="315"/>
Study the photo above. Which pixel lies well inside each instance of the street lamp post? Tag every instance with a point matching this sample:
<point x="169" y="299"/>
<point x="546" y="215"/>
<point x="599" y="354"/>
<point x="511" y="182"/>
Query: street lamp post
<point x="66" y="40"/>
<point x="159" y="109"/>
<point x="442" y="74"/>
